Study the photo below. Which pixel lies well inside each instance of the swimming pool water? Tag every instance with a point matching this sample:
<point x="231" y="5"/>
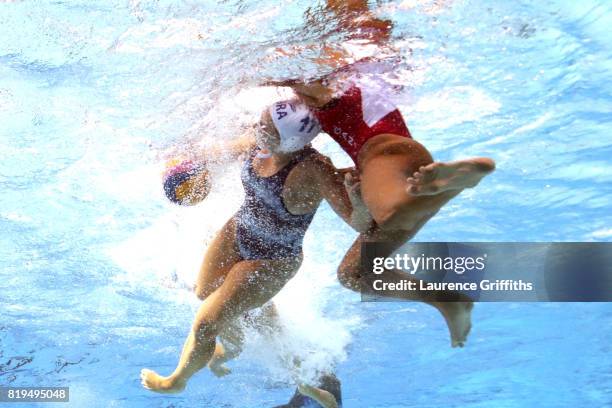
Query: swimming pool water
<point x="92" y="255"/>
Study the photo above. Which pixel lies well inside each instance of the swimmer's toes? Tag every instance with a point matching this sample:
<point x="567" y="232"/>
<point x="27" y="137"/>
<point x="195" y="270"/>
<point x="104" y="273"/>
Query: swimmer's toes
<point x="154" y="382"/>
<point x="430" y="172"/>
<point x="484" y="164"/>
<point x="220" y="370"/>
<point x="425" y="189"/>
<point x="467" y="331"/>
<point x="414" y="189"/>
<point x="467" y="326"/>
<point x="459" y="320"/>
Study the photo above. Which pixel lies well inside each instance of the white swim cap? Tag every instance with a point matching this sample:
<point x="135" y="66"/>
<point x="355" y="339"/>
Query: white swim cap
<point x="295" y="123"/>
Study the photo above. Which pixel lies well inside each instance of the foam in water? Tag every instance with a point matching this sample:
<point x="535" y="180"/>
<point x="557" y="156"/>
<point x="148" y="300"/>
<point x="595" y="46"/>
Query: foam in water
<point x="93" y="93"/>
<point x="169" y="253"/>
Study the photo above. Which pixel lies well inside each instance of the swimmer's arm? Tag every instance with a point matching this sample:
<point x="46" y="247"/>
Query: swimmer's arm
<point x="354" y="15"/>
<point x="329" y="55"/>
<point x="361" y="219"/>
<point x="227" y="151"/>
<point x="333" y="188"/>
<point x="344" y="6"/>
<point x="216" y="151"/>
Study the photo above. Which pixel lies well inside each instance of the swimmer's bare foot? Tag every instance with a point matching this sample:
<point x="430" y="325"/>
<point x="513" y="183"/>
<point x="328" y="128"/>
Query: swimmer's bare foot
<point x="438" y="177"/>
<point x="458" y="316"/>
<point x="155" y="382"/>
<point x="219" y="370"/>
<point x="216" y="365"/>
<point x="324" y="398"/>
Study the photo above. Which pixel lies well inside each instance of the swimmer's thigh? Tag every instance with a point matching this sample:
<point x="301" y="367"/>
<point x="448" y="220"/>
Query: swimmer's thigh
<point x="350" y="269"/>
<point x="221" y="255"/>
<point x="384" y="171"/>
<point x="249" y="284"/>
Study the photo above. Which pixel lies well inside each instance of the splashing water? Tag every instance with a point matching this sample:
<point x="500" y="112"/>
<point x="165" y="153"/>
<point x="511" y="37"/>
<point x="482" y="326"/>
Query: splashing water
<point x="92" y="256"/>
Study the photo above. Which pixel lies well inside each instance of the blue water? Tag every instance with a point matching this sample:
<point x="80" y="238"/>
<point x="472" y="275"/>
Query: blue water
<point x="91" y="95"/>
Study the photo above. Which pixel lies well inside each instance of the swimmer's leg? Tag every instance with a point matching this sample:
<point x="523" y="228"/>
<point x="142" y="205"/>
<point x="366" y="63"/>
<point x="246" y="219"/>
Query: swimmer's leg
<point x="327" y="382"/>
<point x="455" y="307"/>
<point x="217" y="362"/>
<point x="267" y="322"/>
<point x="231" y="337"/>
<point x="221" y="255"/>
<point x="229" y="346"/>
<point x="397" y="172"/>
<point x="248" y="285"/>
<point x="324" y="398"/>
<point x="438" y="177"/>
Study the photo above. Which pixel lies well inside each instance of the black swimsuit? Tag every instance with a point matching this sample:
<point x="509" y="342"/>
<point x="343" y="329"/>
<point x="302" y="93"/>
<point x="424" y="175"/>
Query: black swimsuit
<point x="265" y="229"/>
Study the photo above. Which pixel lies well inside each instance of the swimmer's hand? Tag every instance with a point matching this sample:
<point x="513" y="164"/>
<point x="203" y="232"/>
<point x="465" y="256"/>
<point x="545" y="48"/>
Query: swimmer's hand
<point x="185" y="152"/>
<point x="353" y="187"/>
<point x="361" y="220"/>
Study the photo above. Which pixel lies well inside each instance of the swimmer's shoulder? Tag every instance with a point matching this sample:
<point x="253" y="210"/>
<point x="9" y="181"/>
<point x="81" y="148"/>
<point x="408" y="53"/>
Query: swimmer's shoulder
<point x="317" y="172"/>
<point x="316" y="163"/>
<point x="311" y="170"/>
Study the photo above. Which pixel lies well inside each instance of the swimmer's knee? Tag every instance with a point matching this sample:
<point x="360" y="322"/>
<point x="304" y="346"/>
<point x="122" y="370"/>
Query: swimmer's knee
<point x="201" y="292"/>
<point x="389" y="219"/>
<point x="393" y="213"/>
<point x="403" y="217"/>
<point x="349" y="276"/>
<point x="205" y="329"/>
<point x="204" y="291"/>
<point x="385" y="221"/>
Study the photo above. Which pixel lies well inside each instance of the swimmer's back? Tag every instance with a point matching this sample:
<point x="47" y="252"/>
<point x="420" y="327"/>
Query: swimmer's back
<point x="361" y="112"/>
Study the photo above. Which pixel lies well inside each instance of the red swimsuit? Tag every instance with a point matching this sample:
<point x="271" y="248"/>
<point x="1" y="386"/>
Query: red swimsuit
<point x="354" y="118"/>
